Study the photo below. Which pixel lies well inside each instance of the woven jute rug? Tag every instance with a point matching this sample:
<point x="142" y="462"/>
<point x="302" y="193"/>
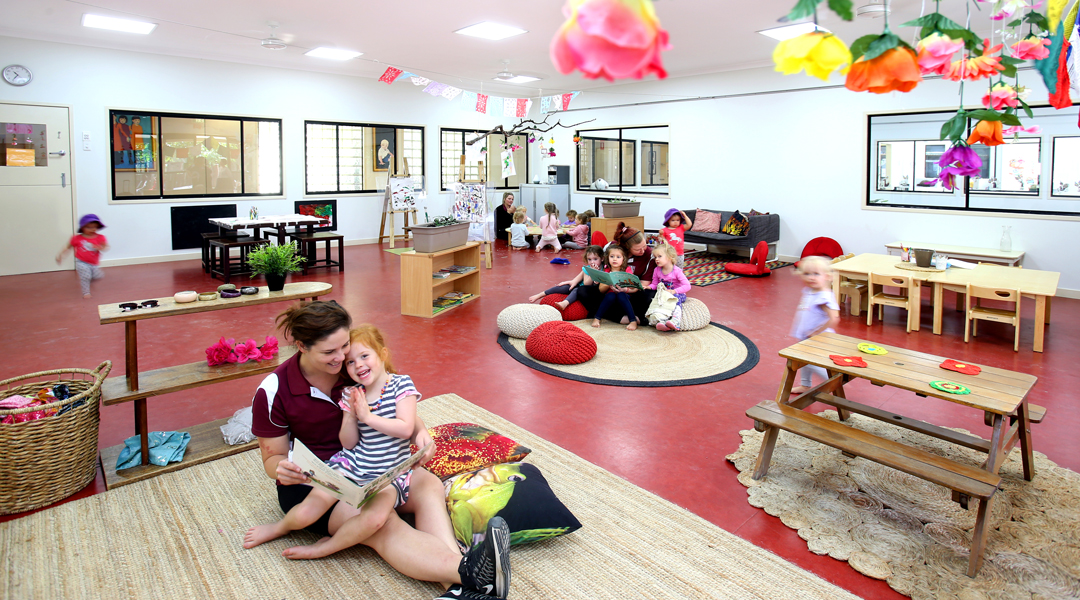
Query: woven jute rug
<point x="179" y="535"/>
<point x="713" y="353"/>
<point x="707" y="268"/>
<point x="893" y="526"/>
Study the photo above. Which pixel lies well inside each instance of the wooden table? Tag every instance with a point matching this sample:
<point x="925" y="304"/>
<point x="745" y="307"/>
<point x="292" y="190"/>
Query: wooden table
<point x="880" y="264"/>
<point x="136" y="387"/>
<point x="607" y="226"/>
<point x="279" y="221"/>
<point x="1012" y="258"/>
<point x="1000" y="394"/>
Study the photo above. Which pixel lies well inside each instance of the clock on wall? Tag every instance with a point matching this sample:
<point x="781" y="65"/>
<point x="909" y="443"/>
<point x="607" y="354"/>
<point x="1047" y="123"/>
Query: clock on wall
<point x="17" y="75"/>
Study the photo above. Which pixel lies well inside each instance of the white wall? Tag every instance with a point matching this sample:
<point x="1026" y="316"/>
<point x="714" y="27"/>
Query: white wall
<point x="92" y="80"/>
<point x="802" y="154"/>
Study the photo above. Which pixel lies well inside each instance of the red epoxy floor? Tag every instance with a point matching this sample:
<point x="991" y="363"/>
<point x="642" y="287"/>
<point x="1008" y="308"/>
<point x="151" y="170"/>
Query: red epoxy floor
<point x="670" y="441"/>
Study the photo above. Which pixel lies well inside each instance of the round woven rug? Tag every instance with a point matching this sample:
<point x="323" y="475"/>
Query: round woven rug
<point x="713" y="353"/>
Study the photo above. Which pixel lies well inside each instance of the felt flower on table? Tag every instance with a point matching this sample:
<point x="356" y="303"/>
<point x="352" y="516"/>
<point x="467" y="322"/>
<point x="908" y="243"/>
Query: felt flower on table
<point x="218" y="354"/>
<point x="935" y="53"/>
<point x="987" y="133"/>
<point x="613" y="39"/>
<point x="819" y="52"/>
<point x="1000" y="96"/>
<point x="977" y="67"/>
<point x="960" y="367"/>
<point x="269" y="349"/>
<point x="896" y="69"/>
<point x="1031" y="48"/>
<point x="958" y="161"/>
<point x="848" y="361"/>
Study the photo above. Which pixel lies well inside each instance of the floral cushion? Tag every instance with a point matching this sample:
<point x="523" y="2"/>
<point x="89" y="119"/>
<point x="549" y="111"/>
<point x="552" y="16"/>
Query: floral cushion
<point x="518" y="493"/>
<point x="738" y="224"/>
<point x="706" y="221"/>
<point x="755" y="213"/>
<point x="461" y="447"/>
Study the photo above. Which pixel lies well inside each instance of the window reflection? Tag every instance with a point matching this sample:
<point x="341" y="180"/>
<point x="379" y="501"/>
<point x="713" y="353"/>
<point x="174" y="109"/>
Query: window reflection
<point x="631" y="159"/>
<point x="1066" y="167"/>
<point x="23" y="145"/>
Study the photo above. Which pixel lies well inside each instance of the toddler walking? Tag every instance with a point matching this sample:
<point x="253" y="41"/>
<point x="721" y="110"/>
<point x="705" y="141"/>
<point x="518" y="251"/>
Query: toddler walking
<point x="88" y="245"/>
<point x="676" y="224"/>
<point x="818" y="311"/>
<point x="594" y="257"/>
<point x="549" y="228"/>
<point x="674" y="280"/>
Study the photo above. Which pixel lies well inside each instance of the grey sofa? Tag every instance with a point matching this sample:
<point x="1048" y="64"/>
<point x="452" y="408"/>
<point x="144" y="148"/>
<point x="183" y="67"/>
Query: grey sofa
<point x="764" y="228"/>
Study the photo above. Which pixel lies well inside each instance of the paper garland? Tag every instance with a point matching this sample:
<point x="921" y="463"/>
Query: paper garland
<point x="959" y="367"/>
<point x="481" y="103"/>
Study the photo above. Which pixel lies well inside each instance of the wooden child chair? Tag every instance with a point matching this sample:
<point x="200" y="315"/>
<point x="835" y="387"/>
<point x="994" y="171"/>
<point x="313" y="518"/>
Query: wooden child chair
<point x="852" y="287"/>
<point x="882" y="299"/>
<point x="999" y="315"/>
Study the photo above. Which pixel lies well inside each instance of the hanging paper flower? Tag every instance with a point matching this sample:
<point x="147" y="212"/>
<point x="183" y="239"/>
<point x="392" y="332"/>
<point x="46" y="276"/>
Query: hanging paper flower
<point x="552" y="141"/>
<point x="958" y="161"/>
<point x="1017" y="129"/>
<point x="1000" y="96"/>
<point x="987" y="133"/>
<point x="613" y="39"/>
<point x="895" y="69"/>
<point x="1005" y="9"/>
<point x="978" y="67"/>
<point x="818" y="52"/>
<point x="1031" y="48"/>
<point x="552" y="155"/>
<point x="936" y="52"/>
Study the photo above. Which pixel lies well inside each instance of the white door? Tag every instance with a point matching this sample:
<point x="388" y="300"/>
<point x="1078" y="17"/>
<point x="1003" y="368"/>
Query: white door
<point x="36" y="195"/>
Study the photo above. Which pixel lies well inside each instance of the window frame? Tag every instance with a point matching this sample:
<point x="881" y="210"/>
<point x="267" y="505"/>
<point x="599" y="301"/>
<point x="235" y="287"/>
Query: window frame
<point x="1053" y="165"/>
<point x="473" y="132"/>
<point x="652" y="177"/>
<point x="160" y="158"/>
<point x="613" y="188"/>
<point x="337" y="155"/>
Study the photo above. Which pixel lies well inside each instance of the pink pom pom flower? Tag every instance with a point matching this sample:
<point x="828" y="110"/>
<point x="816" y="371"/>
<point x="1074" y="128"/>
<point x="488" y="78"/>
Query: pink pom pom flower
<point x="613" y="39"/>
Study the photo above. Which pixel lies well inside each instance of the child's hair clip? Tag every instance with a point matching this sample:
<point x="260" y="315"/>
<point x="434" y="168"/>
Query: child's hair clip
<point x="560" y="261"/>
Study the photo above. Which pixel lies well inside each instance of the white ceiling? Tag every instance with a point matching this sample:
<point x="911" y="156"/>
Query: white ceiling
<point x="707" y="35"/>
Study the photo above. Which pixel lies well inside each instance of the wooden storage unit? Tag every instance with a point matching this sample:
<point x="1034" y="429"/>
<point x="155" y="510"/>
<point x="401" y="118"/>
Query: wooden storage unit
<point x="419" y="289"/>
<point x="607" y="226"/>
<point x="206" y="440"/>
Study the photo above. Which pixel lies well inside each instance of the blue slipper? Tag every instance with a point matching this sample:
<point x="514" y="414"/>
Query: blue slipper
<point x="560" y="261"/>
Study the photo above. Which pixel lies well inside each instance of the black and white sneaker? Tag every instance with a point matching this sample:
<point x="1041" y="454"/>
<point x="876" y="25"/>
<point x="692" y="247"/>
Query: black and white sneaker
<point x="456" y="592"/>
<point x="486" y="567"/>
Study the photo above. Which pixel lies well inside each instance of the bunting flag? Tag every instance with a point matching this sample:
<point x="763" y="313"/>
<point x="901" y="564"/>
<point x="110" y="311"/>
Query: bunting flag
<point x="481" y="103"/>
<point x="468" y="101"/>
<point x="435" y="88"/>
<point x="550" y="104"/>
<point x="417" y="80"/>
<point x="510" y="107"/>
<point x="390" y="74"/>
<point x="566" y="98"/>
<point x="450" y="92"/>
<point x="545" y="105"/>
<point x="495" y="105"/>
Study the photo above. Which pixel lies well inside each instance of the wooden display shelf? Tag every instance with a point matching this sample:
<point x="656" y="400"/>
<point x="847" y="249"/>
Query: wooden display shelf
<point x="207" y="444"/>
<point x="419" y="289"/>
<point x="183" y="377"/>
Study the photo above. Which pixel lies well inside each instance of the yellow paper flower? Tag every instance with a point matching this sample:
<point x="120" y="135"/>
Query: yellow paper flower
<point x="818" y="52"/>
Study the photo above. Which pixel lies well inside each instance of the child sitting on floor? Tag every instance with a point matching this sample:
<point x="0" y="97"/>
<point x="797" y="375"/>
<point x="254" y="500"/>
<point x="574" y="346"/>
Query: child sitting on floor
<point x="549" y="228"/>
<point x="615" y="261"/>
<point x="673" y="279"/>
<point x="594" y="257"/>
<point x="676" y="224"/>
<point x="579" y="235"/>
<point x="571" y="218"/>
<point x="518" y="232"/>
<point x="818" y="311"/>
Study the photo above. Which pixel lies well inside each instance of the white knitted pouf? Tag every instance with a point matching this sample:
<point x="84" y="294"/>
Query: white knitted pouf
<point x="518" y="320"/>
<point x="695" y="315"/>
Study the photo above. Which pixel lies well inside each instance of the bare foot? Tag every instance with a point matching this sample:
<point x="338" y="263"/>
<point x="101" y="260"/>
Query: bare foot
<point x="624" y="320"/>
<point x="562" y="304"/>
<point x="596" y="322"/>
<point x="799" y="389"/>
<point x="661" y="326"/>
<point x="536" y="298"/>
<point x="632" y="326"/>
<point x="317" y="550"/>
<point x="262" y="534"/>
<point x="86" y="296"/>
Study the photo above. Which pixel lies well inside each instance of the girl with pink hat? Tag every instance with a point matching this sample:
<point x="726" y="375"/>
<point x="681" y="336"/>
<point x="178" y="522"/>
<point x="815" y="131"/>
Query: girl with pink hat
<point x="88" y="245"/>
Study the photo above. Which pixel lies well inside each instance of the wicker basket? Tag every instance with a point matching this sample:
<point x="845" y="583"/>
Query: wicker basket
<point x="49" y="459"/>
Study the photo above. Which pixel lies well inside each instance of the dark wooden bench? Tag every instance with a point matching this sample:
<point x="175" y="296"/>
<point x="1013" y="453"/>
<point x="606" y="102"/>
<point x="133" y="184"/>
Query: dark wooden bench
<point x="223" y="263"/>
<point x="963" y="479"/>
<point x="206" y="237"/>
<point x="309" y="248"/>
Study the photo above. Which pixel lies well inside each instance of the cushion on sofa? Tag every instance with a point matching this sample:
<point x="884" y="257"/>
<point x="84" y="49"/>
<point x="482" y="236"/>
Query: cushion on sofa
<point x="706" y="221"/>
<point x="560" y="343"/>
<point x="518" y="320"/>
<point x="576" y="311"/>
<point x="737" y="224"/>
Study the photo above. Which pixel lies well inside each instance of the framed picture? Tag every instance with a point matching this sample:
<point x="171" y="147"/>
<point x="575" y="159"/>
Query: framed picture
<point x="385" y="140"/>
<point x="324" y="209"/>
<point x="134" y="141"/>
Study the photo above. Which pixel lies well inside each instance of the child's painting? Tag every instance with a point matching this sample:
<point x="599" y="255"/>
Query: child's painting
<point x="133" y="140"/>
<point x="402" y="193"/>
<point x="324" y="209"/>
<point x="470" y="202"/>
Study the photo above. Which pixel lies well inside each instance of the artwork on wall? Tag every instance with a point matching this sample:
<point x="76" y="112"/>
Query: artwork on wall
<point x="324" y="209"/>
<point x="385" y="147"/>
<point x="134" y="141"/>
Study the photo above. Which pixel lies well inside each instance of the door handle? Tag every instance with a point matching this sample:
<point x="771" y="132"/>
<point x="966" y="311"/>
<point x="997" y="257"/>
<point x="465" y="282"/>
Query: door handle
<point x="63" y="180"/>
<point x="59" y="153"/>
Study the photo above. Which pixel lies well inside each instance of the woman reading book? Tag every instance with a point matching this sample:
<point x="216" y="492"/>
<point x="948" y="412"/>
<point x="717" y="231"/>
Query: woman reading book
<point x="299" y="401"/>
<point x="640" y="261"/>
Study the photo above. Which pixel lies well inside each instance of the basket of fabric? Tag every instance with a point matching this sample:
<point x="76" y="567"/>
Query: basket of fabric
<point x="49" y="449"/>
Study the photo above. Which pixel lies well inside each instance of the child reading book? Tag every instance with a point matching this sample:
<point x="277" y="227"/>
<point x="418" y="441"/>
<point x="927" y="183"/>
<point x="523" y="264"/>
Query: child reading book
<point x="594" y="258"/>
<point x="674" y="281"/>
<point x="615" y="262"/>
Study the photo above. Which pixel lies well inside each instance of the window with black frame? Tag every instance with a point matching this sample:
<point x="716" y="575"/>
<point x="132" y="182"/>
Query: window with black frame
<point x="624" y="159"/>
<point x="172" y="156"/>
<point x="358" y="158"/>
<point x="454" y="145"/>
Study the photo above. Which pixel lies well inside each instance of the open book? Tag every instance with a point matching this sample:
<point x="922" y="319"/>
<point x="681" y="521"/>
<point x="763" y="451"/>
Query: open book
<point x="340" y="486"/>
<point x="627" y="280"/>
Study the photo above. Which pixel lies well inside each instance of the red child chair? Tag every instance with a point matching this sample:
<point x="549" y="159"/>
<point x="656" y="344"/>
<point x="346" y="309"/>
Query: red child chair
<point x="756" y="267"/>
<point x="599" y="239"/>
<point x="822" y="246"/>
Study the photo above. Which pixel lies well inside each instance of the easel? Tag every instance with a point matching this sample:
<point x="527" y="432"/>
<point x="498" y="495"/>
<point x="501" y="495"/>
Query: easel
<point x="486" y="245"/>
<point x="388" y="209"/>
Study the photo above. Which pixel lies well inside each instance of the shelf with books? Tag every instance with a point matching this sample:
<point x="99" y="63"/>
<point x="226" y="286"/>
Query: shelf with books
<point x="421" y="285"/>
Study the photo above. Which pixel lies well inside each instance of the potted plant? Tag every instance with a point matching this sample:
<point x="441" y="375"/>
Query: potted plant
<point x="440" y="234"/>
<point x="616" y="208"/>
<point x="274" y="263"/>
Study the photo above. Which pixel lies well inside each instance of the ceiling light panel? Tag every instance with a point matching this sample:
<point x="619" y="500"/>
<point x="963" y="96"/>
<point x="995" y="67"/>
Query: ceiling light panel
<point x="491" y="31"/>
<point x="333" y="53"/>
<point x="116" y="24"/>
<point x="789" y="31"/>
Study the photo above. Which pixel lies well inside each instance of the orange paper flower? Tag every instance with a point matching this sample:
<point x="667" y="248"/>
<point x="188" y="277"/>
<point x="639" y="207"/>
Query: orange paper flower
<point x="894" y="70"/>
<point x="987" y="133"/>
<point x="613" y="39"/>
<point x="977" y="67"/>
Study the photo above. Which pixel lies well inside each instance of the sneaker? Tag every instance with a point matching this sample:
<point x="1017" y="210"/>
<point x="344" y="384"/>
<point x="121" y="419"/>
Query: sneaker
<point x="457" y="592"/>
<point x="486" y="567"/>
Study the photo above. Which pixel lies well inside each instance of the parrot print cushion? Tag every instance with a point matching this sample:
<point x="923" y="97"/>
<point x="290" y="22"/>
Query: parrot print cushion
<point x="518" y="493"/>
<point x="461" y="447"/>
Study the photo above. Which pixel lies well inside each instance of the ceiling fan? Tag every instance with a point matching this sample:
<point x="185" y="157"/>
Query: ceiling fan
<point x="273" y="42"/>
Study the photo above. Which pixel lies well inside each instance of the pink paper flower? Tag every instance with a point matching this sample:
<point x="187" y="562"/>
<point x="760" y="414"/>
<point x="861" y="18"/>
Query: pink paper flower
<point x="1001" y="95"/>
<point x="218" y="354"/>
<point x="1005" y="9"/>
<point x="269" y="349"/>
<point x="936" y="52"/>
<point x="245" y="352"/>
<point x="1017" y="129"/>
<point x="1032" y="48"/>
<point x="613" y="39"/>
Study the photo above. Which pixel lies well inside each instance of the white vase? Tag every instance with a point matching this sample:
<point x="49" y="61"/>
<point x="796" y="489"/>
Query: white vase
<point x="1006" y="239"/>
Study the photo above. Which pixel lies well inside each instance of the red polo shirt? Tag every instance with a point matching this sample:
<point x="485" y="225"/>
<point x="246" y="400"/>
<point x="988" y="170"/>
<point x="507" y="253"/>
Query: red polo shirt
<point x="286" y="404"/>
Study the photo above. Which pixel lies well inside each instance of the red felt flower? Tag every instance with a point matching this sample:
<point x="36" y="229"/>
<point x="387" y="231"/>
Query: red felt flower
<point x="960" y="367"/>
<point x="848" y="361"/>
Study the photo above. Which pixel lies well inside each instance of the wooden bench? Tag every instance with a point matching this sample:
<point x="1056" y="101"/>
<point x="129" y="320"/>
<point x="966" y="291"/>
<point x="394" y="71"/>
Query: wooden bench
<point x="223" y="264"/>
<point x="309" y="248"/>
<point x="963" y="479"/>
<point x="206" y="237"/>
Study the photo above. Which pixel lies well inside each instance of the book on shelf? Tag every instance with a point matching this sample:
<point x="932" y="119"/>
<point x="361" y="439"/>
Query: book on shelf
<point x="340" y="486"/>
<point x="441" y="275"/>
<point x="457" y="269"/>
<point x="615" y="278"/>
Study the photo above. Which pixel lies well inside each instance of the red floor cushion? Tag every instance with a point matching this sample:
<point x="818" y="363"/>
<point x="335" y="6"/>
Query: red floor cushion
<point x="599" y="239"/>
<point x="560" y="343"/>
<point x="575" y="312"/>
<point x="756" y="267"/>
<point x="822" y="246"/>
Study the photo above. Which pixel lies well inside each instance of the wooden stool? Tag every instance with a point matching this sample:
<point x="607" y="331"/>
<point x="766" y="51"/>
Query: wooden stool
<point x="272" y="233"/>
<point x="206" y="237"/>
<point x="225" y="265"/>
<point x="308" y="245"/>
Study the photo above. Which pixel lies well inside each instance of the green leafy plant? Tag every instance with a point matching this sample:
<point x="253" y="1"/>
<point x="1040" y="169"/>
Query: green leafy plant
<point x="269" y="259"/>
<point x="443" y="221"/>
